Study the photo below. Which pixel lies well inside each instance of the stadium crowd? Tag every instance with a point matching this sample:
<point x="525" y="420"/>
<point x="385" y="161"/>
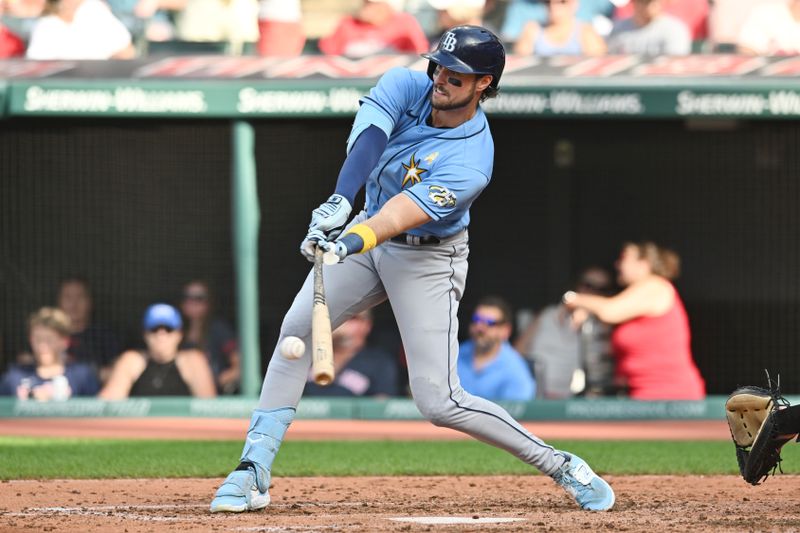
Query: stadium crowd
<point x="587" y="344"/>
<point x="124" y="29"/>
<point x="630" y="339"/>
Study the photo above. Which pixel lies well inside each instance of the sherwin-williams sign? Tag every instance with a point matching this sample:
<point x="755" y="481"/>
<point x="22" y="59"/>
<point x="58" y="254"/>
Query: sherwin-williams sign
<point x="311" y="86"/>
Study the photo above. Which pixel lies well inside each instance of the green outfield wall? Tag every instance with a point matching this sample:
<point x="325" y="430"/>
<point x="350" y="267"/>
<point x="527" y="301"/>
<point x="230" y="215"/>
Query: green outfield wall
<point x="711" y="408"/>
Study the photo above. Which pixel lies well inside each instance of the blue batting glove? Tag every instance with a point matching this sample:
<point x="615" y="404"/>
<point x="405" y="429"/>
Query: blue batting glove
<point x="314" y="239"/>
<point x="331" y="217"/>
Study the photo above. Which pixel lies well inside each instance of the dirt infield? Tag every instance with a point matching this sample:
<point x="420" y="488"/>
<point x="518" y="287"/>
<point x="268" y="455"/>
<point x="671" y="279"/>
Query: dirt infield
<point x="526" y="503"/>
<point x="457" y="503"/>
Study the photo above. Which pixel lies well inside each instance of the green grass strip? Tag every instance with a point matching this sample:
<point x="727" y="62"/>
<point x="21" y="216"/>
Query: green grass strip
<point x="34" y="458"/>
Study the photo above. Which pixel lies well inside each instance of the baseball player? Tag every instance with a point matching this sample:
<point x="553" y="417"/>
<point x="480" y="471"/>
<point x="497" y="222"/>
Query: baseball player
<point x="421" y="144"/>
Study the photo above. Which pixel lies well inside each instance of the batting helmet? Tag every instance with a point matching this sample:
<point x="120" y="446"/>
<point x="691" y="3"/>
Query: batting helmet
<point x="469" y="50"/>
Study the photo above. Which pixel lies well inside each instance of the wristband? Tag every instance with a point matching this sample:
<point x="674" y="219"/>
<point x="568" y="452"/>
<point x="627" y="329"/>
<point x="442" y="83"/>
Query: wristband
<point x="365" y="234"/>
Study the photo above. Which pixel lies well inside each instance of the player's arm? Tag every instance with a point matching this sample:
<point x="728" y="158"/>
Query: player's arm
<point x="378" y="113"/>
<point x="397" y="216"/>
<point x="330" y="218"/>
<point x="361" y="159"/>
<point x="652" y="297"/>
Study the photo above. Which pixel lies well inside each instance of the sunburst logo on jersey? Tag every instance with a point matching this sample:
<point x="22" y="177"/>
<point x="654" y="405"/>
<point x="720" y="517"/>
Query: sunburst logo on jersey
<point x="413" y="172"/>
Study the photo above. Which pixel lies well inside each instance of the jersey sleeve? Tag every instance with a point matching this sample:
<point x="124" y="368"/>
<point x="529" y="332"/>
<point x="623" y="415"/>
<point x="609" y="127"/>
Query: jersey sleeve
<point x="385" y="103"/>
<point x="449" y="190"/>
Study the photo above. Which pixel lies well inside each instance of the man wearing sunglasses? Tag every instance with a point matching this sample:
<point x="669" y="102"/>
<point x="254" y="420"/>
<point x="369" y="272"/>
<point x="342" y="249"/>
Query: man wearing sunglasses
<point x="487" y="364"/>
<point x="421" y="146"/>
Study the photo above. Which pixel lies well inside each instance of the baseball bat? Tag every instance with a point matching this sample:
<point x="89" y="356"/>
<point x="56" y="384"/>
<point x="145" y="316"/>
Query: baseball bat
<point x="321" y="342"/>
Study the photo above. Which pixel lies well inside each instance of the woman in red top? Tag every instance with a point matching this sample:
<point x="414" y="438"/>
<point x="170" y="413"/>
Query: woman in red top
<point x="651" y="342"/>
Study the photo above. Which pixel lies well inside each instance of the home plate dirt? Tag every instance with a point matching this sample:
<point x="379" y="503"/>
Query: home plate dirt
<point x="495" y="503"/>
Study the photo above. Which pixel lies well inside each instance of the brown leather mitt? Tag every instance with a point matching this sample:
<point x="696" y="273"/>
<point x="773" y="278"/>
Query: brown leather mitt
<point x="755" y="432"/>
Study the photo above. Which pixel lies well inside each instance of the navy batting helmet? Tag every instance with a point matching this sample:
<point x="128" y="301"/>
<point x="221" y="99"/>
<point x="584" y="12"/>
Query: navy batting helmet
<point x="469" y="50"/>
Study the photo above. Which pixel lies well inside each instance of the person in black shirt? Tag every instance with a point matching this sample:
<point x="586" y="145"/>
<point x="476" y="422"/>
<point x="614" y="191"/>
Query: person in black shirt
<point x="162" y="369"/>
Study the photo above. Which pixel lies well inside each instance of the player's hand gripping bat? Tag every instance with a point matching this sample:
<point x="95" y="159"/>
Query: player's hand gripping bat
<point x="321" y="343"/>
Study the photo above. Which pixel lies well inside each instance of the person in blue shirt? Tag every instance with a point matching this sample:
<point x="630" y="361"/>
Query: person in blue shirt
<point x="522" y="12"/>
<point x="487" y="364"/>
<point x="421" y="146"/>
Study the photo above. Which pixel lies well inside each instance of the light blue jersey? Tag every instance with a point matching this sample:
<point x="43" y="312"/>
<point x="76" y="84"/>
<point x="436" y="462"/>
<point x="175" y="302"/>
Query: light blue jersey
<point x="441" y="170"/>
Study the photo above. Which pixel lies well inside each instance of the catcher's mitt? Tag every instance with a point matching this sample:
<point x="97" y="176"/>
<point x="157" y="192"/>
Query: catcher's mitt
<point x="751" y="417"/>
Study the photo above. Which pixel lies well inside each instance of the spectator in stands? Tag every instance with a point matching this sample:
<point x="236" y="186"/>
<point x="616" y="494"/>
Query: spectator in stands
<point x="772" y="29"/>
<point x="210" y="334"/>
<point x="451" y="13"/>
<point x="596" y="13"/>
<point x="52" y="377"/>
<point x="569" y="349"/>
<point x="140" y="22"/>
<point x="231" y="22"/>
<point x="79" y="29"/>
<point x="563" y="34"/>
<point x="90" y="342"/>
<point x="22" y="15"/>
<point x="693" y="13"/>
<point x="487" y="364"/>
<point x="650" y="31"/>
<point x="161" y="369"/>
<point x="380" y="26"/>
<point x="10" y="44"/>
<point x="651" y="340"/>
<point x="281" y="30"/>
<point x="361" y="369"/>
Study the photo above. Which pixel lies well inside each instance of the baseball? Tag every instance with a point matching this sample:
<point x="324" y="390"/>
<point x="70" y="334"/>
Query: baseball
<point x="293" y="347"/>
<point x="330" y="258"/>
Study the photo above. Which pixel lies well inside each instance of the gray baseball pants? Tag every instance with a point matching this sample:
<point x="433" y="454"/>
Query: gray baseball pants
<point x="424" y="285"/>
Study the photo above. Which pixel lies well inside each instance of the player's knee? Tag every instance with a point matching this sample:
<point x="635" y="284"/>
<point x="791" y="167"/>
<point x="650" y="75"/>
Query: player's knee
<point x="437" y="409"/>
<point x="438" y="416"/>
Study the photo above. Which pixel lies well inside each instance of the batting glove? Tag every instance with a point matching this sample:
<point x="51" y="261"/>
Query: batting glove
<point x="314" y="239"/>
<point x="331" y="217"/>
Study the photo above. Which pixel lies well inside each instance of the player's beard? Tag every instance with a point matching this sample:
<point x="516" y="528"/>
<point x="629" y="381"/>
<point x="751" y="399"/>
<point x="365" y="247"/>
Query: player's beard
<point x="452" y="104"/>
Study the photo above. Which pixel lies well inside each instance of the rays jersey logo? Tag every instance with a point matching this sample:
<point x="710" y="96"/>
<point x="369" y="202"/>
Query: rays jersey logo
<point x="449" y="42"/>
<point x="441" y="196"/>
<point x="413" y="173"/>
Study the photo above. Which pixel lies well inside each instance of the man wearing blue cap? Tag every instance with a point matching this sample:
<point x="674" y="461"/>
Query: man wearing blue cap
<point x="161" y="369"/>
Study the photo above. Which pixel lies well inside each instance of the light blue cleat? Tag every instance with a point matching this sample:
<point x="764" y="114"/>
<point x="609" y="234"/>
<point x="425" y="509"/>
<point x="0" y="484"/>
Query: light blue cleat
<point x="239" y="492"/>
<point x="589" y="490"/>
<point x="247" y="487"/>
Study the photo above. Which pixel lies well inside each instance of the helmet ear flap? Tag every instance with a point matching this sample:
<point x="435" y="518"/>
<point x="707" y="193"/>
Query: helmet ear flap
<point x="431" y="68"/>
